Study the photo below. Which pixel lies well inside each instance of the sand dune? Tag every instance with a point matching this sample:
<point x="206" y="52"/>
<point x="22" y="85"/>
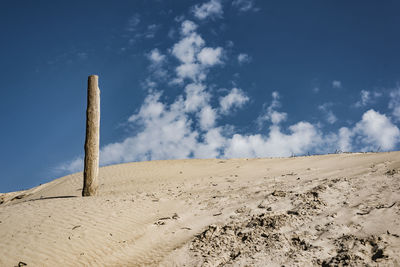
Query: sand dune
<point x="303" y="211"/>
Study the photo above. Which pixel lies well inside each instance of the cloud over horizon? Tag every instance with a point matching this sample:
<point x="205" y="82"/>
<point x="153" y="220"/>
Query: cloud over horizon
<point x="191" y="125"/>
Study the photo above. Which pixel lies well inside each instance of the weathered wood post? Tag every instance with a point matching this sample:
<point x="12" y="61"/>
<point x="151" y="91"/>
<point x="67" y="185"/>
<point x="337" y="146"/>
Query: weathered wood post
<point x="91" y="169"/>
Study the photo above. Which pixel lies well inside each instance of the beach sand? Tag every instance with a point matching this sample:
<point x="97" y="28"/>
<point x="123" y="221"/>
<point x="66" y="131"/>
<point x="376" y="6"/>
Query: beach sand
<point x="327" y="210"/>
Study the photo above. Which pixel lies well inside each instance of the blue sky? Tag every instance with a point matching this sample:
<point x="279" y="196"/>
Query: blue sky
<point x="203" y="79"/>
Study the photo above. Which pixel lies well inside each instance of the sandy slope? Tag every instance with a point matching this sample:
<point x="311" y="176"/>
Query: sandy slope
<point x="318" y="210"/>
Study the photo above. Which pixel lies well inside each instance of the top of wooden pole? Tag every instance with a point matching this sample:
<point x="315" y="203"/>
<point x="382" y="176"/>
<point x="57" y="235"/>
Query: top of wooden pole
<point x="93" y="78"/>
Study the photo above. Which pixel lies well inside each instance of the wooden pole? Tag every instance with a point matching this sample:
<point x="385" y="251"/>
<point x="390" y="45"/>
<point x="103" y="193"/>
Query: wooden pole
<point x="91" y="169"/>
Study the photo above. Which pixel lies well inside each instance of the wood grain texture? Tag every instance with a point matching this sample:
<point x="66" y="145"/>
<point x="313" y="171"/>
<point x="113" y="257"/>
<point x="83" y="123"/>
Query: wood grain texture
<point x="91" y="169"/>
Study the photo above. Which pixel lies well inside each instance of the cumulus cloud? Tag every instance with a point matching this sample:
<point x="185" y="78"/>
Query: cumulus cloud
<point x="344" y="139"/>
<point x="302" y="138"/>
<point x="166" y="133"/>
<point x="337" y="84"/>
<point x="243" y="58"/>
<point x="212" y="9"/>
<point x="169" y="132"/>
<point x="188" y="27"/>
<point x="196" y="97"/>
<point x="194" y="57"/>
<point x="213" y="142"/>
<point x="190" y="71"/>
<point x="376" y="131"/>
<point x="186" y="49"/>
<point x="373" y="132"/>
<point x="207" y="117"/>
<point x="210" y="56"/>
<point x="156" y="68"/>
<point x="235" y="99"/>
<point x="156" y="57"/>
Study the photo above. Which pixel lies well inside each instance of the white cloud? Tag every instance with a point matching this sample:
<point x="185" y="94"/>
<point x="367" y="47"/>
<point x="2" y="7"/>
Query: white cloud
<point x="337" y="84"/>
<point x="365" y="98"/>
<point x="196" y="97"/>
<point x="303" y="137"/>
<point x="212" y="9"/>
<point x="149" y="84"/>
<point x="276" y="117"/>
<point x="156" y="57"/>
<point x="194" y="57"/>
<point x="157" y="61"/>
<point x="190" y="71"/>
<point x="244" y="5"/>
<point x="394" y="103"/>
<point x="188" y="27"/>
<point x="75" y="165"/>
<point x="187" y="48"/>
<point x="271" y="114"/>
<point x="151" y="108"/>
<point x="329" y="116"/>
<point x="210" y="56"/>
<point x="212" y="144"/>
<point x="243" y="58"/>
<point x="168" y="132"/>
<point x="375" y="131"/>
<point x="344" y="142"/>
<point x="186" y="51"/>
<point x="235" y="99"/>
<point x="207" y="117"/>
